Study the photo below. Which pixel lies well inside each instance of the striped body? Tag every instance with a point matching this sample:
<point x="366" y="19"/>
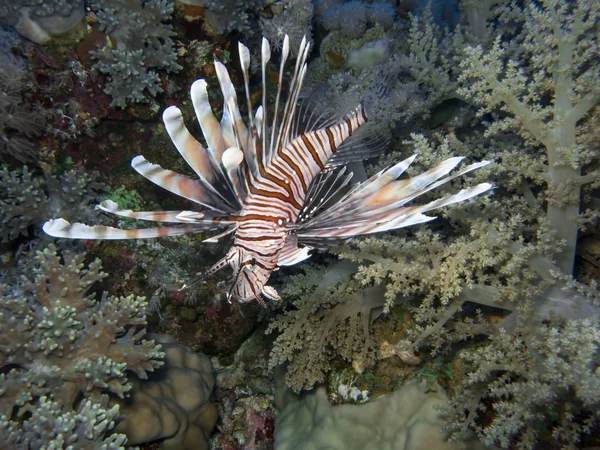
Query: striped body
<point x="255" y="253"/>
<point x="270" y="182"/>
<point x="276" y="199"/>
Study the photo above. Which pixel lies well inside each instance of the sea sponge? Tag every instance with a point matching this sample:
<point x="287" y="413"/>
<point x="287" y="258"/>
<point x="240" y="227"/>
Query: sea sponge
<point x="174" y="404"/>
<point x="408" y="419"/>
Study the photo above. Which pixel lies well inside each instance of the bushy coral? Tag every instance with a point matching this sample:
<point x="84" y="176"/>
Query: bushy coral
<point x="58" y="344"/>
<point x="141" y="46"/>
<point x="330" y="317"/>
<point x="27" y="200"/>
<point x="60" y="341"/>
<point x="487" y="269"/>
<point x="90" y="427"/>
<point x="460" y="281"/>
<point x="561" y="66"/>
<point x="554" y="375"/>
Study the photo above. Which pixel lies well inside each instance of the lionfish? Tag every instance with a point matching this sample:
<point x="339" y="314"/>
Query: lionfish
<point x="272" y="183"/>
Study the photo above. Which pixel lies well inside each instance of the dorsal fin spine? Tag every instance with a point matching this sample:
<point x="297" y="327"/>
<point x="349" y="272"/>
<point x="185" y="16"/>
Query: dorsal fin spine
<point x="245" y="63"/>
<point x="284" y="55"/>
<point x="265" y="57"/>
<point x="283" y="135"/>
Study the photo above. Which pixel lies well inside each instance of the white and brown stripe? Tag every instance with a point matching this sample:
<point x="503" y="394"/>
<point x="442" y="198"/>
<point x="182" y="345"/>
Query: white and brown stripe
<point x="254" y="180"/>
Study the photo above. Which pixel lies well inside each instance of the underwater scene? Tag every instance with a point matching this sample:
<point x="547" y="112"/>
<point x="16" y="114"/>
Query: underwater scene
<point x="299" y="225"/>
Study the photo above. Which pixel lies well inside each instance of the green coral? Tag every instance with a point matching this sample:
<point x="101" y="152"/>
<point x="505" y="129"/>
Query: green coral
<point x="57" y="341"/>
<point x="27" y="200"/>
<point x="143" y="46"/>
<point x="89" y="428"/>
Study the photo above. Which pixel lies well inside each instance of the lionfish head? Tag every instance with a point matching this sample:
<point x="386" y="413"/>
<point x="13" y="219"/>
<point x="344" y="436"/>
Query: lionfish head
<point x="250" y="277"/>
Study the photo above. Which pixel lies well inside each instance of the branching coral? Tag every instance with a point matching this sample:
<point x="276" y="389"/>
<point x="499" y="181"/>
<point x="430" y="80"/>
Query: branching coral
<point x="26" y="201"/>
<point x="62" y="342"/>
<point x="333" y="319"/>
<point x="59" y="344"/>
<point x="540" y="81"/>
<point x="558" y="61"/>
<point x="143" y="45"/>
<point x="493" y="258"/>
<point x="90" y="427"/>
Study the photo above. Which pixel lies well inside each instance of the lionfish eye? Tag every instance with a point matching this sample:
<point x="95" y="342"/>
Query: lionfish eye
<point x="253" y="261"/>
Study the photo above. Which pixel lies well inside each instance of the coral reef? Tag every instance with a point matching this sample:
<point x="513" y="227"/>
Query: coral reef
<point x="141" y="45"/>
<point x="293" y="18"/>
<point x="27" y="201"/>
<point x="60" y="341"/>
<point x="499" y="313"/>
<point x="90" y="427"/>
<point x="222" y="17"/>
<point x="353" y="18"/>
<point x="60" y="345"/>
<point x="558" y="376"/>
<point x="332" y="320"/>
<point x="489" y="272"/>
<point x="567" y="74"/>
<point x="490" y="267"/>
<point x="244" y="396"/>
<point x="357" y="64"/>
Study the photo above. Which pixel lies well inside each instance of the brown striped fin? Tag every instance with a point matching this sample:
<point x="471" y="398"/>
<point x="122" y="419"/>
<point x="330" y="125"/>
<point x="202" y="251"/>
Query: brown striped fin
<point x="232" y="160"/>
<point x="265" y="56"/>
<point x="203" y="218"/>
<point x="401" y="192"/>
<point x="381" y="193"/>
<point x="211" y="128"/>
<point x="271" y="294"/>
<point x="377" y="205"/>
<point x="400" y="218"/>
<point x="60" y="228"/>
<point x="295" y="256"/>
<point x="198" y="158"/>
<point x="214" y="239"/>
<point x="285" y="51"/>
<point x="232" y="124"/>
<point x="178" y="184"/>
<point x="245" y="64"/>
<point x="284" y="134"/>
